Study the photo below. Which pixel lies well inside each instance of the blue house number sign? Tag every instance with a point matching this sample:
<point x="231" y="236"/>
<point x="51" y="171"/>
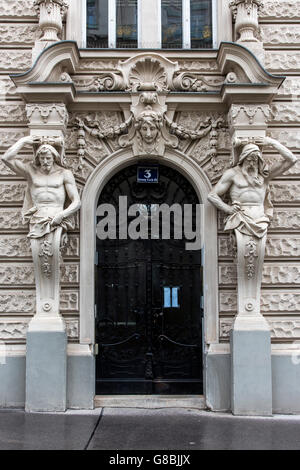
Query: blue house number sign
<point x="147" y="174"/>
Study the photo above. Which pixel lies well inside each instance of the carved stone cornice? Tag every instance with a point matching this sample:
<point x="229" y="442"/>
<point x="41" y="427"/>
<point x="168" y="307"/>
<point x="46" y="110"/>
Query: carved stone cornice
<point x="53" y="116"/>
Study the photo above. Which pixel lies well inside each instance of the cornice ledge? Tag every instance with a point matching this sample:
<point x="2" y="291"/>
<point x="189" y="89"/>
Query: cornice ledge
<point x="242" y="57"/>
<point x="65" y="53"/>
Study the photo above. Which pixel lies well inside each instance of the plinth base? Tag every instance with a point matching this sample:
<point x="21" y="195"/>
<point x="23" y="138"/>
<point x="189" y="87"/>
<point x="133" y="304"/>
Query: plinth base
<point x="251" y="371"/>
<point x="46" y="367"/>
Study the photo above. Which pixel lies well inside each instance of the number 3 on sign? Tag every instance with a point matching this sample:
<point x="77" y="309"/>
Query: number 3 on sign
<point x="147" y="174"/>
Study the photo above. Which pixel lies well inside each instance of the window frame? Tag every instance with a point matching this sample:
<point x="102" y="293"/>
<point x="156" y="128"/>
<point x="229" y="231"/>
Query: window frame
<point x="220" y="17"/>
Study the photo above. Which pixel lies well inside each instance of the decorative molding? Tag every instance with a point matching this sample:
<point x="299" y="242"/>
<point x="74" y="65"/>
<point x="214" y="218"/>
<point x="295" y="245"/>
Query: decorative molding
<point x="53" y="115"/>
<point x="249" y="115"/>
<point x="284" y="274"/>
<point x="148" y="129"/>
<point x="270" y="302"/>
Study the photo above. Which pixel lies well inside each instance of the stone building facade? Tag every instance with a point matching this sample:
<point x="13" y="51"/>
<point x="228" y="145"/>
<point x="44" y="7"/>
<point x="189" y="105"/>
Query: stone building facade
<point x="247" y="85"/>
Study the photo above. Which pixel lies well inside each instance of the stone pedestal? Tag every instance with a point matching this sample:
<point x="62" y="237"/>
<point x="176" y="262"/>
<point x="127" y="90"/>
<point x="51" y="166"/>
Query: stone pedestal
<point x="250" y="339"/>
<point x="46" y="350"/>
<point x="46" y="366"/>
<point x="251" y="378"/>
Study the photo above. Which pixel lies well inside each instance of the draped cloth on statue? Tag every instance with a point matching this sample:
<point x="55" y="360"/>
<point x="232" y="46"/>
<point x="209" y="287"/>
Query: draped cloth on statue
<point x="252" y="219"/>
<point x="39" y="219"/>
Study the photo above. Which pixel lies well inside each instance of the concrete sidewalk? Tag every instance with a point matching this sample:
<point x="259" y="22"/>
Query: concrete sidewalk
<point x="144" y="429"/>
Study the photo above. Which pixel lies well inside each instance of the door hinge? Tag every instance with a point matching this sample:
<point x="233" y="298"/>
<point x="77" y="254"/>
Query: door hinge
<point x="96" y="258"/>
<point x="95" y="311"/>
<point x="96" y="349"/>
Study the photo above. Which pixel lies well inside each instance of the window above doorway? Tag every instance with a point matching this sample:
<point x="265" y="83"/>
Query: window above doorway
<point x="167" y="24"/>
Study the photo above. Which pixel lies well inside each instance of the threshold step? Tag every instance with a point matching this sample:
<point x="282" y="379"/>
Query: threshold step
<point x="150" y="401"/>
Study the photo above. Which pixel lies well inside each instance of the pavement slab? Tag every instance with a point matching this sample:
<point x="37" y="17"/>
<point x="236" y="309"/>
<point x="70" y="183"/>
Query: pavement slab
<point x="146" y="429"/>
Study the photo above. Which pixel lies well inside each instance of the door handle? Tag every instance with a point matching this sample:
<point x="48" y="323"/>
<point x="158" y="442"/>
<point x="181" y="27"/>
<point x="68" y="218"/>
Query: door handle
<point x="160" y="314"/>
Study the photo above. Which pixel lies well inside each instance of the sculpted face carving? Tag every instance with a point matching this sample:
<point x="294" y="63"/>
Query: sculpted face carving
<point x="149" y="130"/>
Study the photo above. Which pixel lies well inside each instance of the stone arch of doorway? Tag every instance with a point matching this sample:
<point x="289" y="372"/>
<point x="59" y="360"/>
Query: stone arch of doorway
<point x="96" y="182"/>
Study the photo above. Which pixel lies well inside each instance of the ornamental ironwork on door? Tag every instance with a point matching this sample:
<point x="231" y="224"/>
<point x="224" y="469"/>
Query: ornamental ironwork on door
<point x="148" y="296"/>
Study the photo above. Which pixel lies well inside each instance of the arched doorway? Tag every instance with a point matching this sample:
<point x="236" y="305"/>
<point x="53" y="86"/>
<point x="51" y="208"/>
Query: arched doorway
<point x="149" y="294"/>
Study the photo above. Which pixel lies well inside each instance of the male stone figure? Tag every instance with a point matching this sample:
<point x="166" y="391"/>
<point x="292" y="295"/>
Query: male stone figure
<point x="50" y="188"/>
<point x="49" y="184"/>
<point x="249" y="214"/>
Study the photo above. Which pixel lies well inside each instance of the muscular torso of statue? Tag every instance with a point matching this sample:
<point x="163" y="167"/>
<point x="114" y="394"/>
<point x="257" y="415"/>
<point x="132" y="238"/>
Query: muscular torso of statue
<point x="241" y="192"/>
<point x="47" y="191"/>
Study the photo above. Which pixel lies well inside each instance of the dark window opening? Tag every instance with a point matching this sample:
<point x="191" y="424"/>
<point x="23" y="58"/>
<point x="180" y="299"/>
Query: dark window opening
<point x="201" y="23"/>
<point x="97" y="23"/>
<point x="127" y="24"/>
<point x="171" y="23"/>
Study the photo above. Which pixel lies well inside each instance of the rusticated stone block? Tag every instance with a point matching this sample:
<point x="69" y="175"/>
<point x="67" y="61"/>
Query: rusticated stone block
<point x="285" y="192"/>
<point x="280" y="329"/>
<point x="279" y="274"/>
<point x="12" y="192"/>
<point x="280" y="9"/>
<point x="282" y="61"/>
<point x="22" y="274"/>
<point x="276" y="246"/>
<point x="18" y="34"/>
<point x="18" y="246"/>
<point x="17" y="8"/>
<point x="14" y="60"/>
<point x="270" y="302"/>
<point x="16" y="330"/>
<point x="24" y="302"/>
<point x="280" y="34"/>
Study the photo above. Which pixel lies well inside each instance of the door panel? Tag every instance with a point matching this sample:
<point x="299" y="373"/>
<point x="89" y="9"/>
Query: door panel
<point x="145" y="344"/>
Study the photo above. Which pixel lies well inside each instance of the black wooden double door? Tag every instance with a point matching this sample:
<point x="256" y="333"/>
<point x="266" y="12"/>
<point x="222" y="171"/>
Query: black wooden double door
<point x="148" y="298"/>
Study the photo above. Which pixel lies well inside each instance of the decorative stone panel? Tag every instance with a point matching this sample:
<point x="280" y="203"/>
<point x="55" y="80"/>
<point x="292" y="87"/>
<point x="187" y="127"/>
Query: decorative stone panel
<point x="280" y="9"/>
<point x="7" y="88"/>
<point x="280" y="329"/>
<point x="283" y="61"/>
<point x="12" y="113"/>
<point x="277" y="246"/>
<point x="271" y="302"/>
<point x="18" y="34"/>
<point x="290" y="86"/>
<point x="283" y="219"/>
<point x="285" y="113"/>
<point x="288" y="137"/>
<point x="281" y="274"/>
<point x="12" y="192"/>
<point x="24" y="302"/>
<point x="276" y="35"/>
<point x="17" y="8"/>
<point x="285" y="192"/>
<point x="16" y="330"/>
<point x="9" y="137"/>
<point x="18" y="246"/>
<point x="13" y="60"/>
<point x="11" y="219"/>
<point x="14" y="274"/>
